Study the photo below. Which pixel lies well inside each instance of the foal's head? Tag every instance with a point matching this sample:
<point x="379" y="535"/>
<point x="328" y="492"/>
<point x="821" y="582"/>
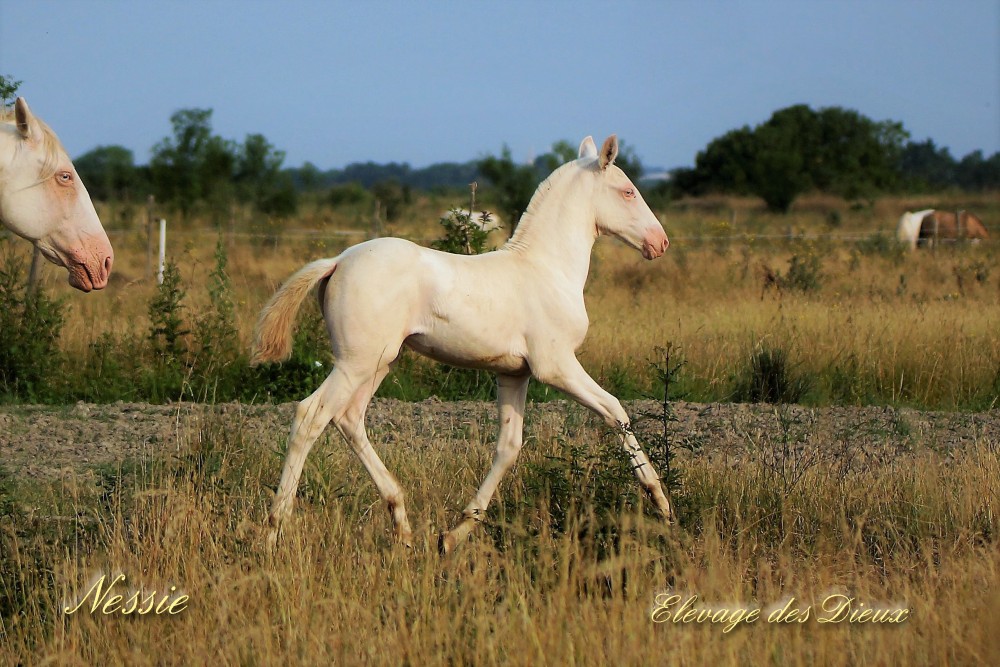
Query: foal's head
<point x="621" y="210"/>
<point x="43" y="200"/>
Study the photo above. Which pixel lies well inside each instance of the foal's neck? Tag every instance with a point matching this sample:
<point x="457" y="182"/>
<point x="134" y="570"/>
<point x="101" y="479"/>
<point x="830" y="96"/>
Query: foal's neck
<point x="559" y="229"/>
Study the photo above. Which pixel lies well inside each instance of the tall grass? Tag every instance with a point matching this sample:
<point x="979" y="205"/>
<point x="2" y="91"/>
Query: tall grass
<point x="557" y="574"/>
<point x="860" y="321"/>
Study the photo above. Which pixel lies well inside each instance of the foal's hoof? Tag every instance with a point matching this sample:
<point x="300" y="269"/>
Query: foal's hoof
<point x="271" y="542"/>
<point x="446" y="543"/>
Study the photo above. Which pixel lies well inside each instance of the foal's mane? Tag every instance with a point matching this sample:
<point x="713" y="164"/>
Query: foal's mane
<point x="523" y="230"/>
<point x="50" y="142"/>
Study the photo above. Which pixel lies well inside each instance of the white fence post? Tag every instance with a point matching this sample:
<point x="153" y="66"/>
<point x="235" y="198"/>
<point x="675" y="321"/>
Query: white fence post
<point x="163" y="250"/>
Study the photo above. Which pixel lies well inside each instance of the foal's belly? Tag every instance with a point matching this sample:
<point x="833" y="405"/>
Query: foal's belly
<point x="467" y="355"/>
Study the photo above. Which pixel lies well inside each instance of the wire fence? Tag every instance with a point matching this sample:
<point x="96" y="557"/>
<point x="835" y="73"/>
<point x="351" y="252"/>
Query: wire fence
<point x="331" y="234"/>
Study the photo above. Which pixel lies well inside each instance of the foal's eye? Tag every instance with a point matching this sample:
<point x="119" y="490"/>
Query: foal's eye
<point x="629" y="193"/>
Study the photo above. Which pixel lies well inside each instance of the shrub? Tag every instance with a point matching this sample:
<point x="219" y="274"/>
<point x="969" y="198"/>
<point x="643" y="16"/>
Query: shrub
<point x="881" y="245"/>
<point x="578" y="491"/>
<point x="348" y="194"/>
<point x="217" y="359"/>
<point x="31" y="326"/>
<point x="768" y="378"/>
<point x="165" y="377"/>
<point x="462" y="235"/>
<point x="804" y="274"/>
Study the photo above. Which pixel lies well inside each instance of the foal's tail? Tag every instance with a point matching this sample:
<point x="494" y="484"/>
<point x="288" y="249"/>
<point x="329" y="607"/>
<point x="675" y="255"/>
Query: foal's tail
<point x="272" y="337"/>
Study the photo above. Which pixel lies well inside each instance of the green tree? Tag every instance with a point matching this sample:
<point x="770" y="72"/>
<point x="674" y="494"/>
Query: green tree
<point x="8" y="89"/>
<point x="514" y="184"/>
<point x="797" y="150"/>
<point x="723" y="166"/>
<point x="309" y="177"/>
<point x="392" y="196"/>
<point x="923" y="166"/>
<point x="562" y="152"/>
<point x="975" y="172"/>
<point x="628" y="161"/>
<point x="854" y="156"/>
<point x="216" y="167"/>
<point x="260" y="180"/>
<point x="193" y="164"/>
<point x="778" y="171"/>
<point x="109" y="173"/>
<point x="177" y="160"/>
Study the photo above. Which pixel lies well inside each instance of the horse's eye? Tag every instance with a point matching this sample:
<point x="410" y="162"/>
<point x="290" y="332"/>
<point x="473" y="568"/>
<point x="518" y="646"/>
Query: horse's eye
<point x="65" y="177"/>
<point x="629" y="193"/>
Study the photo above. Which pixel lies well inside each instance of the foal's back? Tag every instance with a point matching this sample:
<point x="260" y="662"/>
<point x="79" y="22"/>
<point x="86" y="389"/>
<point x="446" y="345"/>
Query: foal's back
<point x="471" y="311"/>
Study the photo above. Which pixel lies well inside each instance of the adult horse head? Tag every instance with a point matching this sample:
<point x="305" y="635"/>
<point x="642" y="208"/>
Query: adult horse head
<point x="43" y="200"/>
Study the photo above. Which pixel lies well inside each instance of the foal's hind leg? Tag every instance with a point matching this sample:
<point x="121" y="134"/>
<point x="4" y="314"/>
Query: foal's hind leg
<point x="311" y="417"/>
<point x="511" y="393"/>
<point x="351" y="423"/>
<point x="566" y="374"/>
<point x="344" y="401"/>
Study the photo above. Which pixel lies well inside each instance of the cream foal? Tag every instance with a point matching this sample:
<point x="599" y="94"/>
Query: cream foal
<point x="518" y="312"/>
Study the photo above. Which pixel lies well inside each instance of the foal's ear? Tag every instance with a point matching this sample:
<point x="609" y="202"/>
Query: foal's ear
<point x="588" y="148"/>
<point x="609" y="151"/>
<point x="22" y="116"/>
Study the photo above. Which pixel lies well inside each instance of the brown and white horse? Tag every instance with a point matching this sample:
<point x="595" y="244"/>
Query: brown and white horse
<point x="43" y="200"/>
<point x="933" y="226"/>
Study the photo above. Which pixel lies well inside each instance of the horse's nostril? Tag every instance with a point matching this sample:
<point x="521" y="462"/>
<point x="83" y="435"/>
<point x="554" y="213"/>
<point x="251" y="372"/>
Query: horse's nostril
<point x="107" y="263"/>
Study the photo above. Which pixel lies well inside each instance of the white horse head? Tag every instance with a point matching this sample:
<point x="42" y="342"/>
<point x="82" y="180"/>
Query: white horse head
<point x="621" y="210"/>
<point x="43" y="200"/>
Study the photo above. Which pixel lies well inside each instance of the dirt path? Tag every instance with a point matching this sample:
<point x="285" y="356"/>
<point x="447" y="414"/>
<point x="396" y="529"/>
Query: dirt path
<point x="44" y="442"/>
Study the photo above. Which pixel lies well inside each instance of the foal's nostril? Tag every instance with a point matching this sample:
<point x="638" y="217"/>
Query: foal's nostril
<point x="107" y="263"/>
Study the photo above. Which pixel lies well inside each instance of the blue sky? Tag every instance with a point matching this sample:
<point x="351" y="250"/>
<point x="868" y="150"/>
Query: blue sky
<point x="423" y="82"/>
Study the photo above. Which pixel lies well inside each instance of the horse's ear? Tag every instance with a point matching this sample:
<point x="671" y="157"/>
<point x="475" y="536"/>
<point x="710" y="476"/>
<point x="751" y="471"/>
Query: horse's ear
<point x="22" y="116"/>
<point x="609" y="151"/>
<point x="588" y="148"/>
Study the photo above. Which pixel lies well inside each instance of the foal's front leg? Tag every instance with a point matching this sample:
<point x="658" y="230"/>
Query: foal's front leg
<point x="566" y="374"/>
<point x="511" y="394"/>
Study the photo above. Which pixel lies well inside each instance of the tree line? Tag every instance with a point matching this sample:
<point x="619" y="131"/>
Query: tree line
<point x="833" y="150"/>
<point x="798" y="150"/>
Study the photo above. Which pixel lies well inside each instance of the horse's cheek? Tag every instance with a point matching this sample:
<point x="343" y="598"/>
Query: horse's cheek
<point x="63" y="201"/>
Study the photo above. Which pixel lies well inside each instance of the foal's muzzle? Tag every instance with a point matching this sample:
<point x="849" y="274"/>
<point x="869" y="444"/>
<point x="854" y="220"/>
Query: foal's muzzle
<point x="655" y="245"/>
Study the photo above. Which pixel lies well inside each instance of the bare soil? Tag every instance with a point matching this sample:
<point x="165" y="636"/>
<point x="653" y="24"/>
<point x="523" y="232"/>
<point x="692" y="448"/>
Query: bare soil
<point x="45" y="443"/>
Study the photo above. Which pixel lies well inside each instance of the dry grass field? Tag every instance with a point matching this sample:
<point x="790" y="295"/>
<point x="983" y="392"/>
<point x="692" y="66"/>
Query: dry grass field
<point x="858" y="321"/>
<point x="882" y="487"/>
<point x="776" y="506"/>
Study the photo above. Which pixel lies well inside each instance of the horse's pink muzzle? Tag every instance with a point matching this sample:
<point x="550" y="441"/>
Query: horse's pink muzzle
<point x="655" y="244"/>
<point x="88" y="265"/>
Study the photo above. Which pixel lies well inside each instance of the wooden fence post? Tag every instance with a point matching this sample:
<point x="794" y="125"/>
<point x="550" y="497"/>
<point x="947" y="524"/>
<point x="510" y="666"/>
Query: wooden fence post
<point x="36" y="263"/>
<point x="376" y="230"/>
<point x="150" y="206"/>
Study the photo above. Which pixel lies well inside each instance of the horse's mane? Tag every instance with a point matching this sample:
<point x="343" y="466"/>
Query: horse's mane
<point x="535" y="203"/>
<point x="50" y="142"/>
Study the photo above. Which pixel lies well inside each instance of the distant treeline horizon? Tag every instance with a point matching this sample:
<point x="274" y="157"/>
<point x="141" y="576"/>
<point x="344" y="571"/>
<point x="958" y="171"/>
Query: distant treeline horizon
<point x="798" y="150"/>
